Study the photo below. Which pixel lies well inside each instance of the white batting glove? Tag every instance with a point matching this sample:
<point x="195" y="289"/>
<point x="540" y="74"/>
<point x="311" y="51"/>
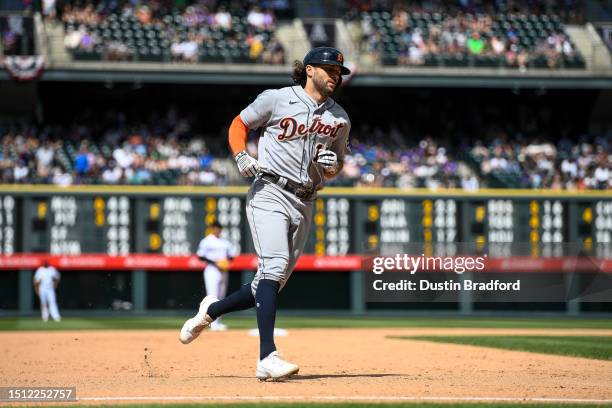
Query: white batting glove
<point x="328" y="159"/>
<point x="247" y="165"/>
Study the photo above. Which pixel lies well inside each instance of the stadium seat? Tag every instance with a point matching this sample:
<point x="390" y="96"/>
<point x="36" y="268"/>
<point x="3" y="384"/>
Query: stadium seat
<point x="389" y="59"/>
<point x="432" y="60"/>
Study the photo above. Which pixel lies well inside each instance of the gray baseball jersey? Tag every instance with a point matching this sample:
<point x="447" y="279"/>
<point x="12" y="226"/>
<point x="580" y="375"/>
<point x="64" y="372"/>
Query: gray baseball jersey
<point x="295" y="128"/>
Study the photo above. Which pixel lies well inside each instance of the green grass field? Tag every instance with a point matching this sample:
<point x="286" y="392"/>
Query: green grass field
<point x="246" y="322"/>
<point x="596" y="347"/>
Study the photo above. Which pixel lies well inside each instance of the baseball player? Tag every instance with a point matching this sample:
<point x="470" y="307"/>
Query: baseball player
<point x="46" y="279"/>
<point x="216" y="252"/>
<point x="304" y="139"/>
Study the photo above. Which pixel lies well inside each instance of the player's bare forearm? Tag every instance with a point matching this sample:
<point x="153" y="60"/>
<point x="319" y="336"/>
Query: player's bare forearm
<point x="332" y="174"/>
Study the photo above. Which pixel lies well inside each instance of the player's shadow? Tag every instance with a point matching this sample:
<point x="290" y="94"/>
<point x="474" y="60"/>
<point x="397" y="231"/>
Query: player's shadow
<point x="322" y="376"/>
<point x="313" y="376"/>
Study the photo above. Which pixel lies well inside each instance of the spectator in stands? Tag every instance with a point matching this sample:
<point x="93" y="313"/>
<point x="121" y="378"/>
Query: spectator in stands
<point x="223" y="19"/>
<point x="118" y="51"/>
<point x="143" y="14"/>
<point x="475" y="44"/>
<point x="140" y="174"/>
<point x="374" y="45"/>
<point x="187" y="50"/>
<point x="44" y="159"/>
<point x="367" y="29"/>
<point x="198" y="16"/>
<point x="256" y="18"/>
<point x="603" y="178"/>
<point x="274" y="53"/>
<point x="80" y="15"/>
<point x="415" y="54"/>
<point x="123" y="156"/>
<point x="256" y="47"/>
<point x="498" y="45"/>
<point x="111" y="173"/>
<point x="21" y="172"/>
<point x="10" y="39"/>
<point x="61" y="178"/>
<point x="72" y="39"/>
<point x="48" y="9"/>
<point x="87" y="41"/>
<point x="82" y="162"/>
<point x="399" y="20"/>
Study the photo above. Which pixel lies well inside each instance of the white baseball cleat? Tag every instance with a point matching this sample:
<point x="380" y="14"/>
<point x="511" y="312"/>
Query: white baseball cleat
<point x="194" y="326"/>
<point x="275" y="368"/>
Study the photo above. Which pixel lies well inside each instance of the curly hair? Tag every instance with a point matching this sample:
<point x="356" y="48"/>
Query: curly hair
<point x="299" y="73"/>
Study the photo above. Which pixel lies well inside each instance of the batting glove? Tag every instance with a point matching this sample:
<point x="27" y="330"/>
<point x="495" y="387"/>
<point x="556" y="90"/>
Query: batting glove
<point x="328" y="159"/>
<point x="247" y="165"/>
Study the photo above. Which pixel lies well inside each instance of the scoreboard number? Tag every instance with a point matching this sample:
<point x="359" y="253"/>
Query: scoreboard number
<point x="7" y="225"/>
<point x="500" y="223"/>
<point x="176" y="212"/>
<point x="603" y="229"/>
<point x="64" y="226"/>
<point x="394" y="222"/>
<point x="445" y="220"/>
<point x="118" y="233"/>
<point x="228" y="212"/>
<point x="552" y="227"/>
<point x="338" y="237"/>
<point x="331" y="226"/>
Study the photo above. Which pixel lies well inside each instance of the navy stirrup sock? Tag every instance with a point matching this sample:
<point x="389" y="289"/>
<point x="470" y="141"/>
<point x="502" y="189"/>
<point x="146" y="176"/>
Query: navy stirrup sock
<point x="266" y="300"/>
<point x="240" y="300"/>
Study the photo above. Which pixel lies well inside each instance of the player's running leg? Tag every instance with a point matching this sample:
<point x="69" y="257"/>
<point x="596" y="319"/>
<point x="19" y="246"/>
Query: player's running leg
<point x="53" y="310"/>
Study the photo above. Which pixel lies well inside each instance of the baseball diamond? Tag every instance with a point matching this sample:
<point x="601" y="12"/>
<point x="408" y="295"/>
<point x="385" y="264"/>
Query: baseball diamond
<point x="295" y="204"/>
<point x="138" y="366"/>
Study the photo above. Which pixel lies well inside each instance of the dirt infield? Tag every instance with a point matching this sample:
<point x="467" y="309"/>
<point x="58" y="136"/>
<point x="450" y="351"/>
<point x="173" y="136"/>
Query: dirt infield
<point x="335" y="364"/>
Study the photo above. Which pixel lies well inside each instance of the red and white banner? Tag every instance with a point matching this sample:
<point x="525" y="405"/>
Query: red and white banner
<point x="310" y="263"/>
<point x="24" y="68"/>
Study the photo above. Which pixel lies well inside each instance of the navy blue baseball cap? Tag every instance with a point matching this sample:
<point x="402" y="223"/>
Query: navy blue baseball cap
<point x="326" y="56"/>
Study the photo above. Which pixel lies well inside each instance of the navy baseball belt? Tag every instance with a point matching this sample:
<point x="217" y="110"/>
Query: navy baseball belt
<point x="300" y="191"/>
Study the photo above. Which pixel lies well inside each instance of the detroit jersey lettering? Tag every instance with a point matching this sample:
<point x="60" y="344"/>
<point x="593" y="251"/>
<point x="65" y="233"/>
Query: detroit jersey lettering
<point x="295" y="128"/>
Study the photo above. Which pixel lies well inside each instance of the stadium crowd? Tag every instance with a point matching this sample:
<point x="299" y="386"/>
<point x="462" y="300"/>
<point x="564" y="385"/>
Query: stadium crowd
<point x="585" y="163"/>
<point x="182" y="31"/>
<point x="382" y="158"/>
<point x="514" y="34"/>
<point x="160" y="151"/>
<point x="168" y="151"/>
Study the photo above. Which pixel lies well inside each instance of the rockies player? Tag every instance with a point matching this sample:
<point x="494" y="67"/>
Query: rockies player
<point x="304" y="140"/>
<point x="46" y="279"/>
<point x="216" y="252"/>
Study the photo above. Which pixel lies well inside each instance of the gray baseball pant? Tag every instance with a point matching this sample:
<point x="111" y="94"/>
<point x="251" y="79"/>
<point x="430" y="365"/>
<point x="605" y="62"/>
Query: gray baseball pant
<point x="279" y="224"/>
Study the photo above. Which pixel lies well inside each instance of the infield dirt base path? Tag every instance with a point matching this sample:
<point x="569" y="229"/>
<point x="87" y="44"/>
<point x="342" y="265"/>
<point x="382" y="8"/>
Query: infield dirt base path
<point x="335" y="363"/>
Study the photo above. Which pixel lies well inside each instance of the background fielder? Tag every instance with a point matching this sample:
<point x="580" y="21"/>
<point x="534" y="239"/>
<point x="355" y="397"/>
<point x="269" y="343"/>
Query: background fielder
<point x="46" y="278"/>
<point x="217" y="252"/>
<point x="304" y="140"/>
